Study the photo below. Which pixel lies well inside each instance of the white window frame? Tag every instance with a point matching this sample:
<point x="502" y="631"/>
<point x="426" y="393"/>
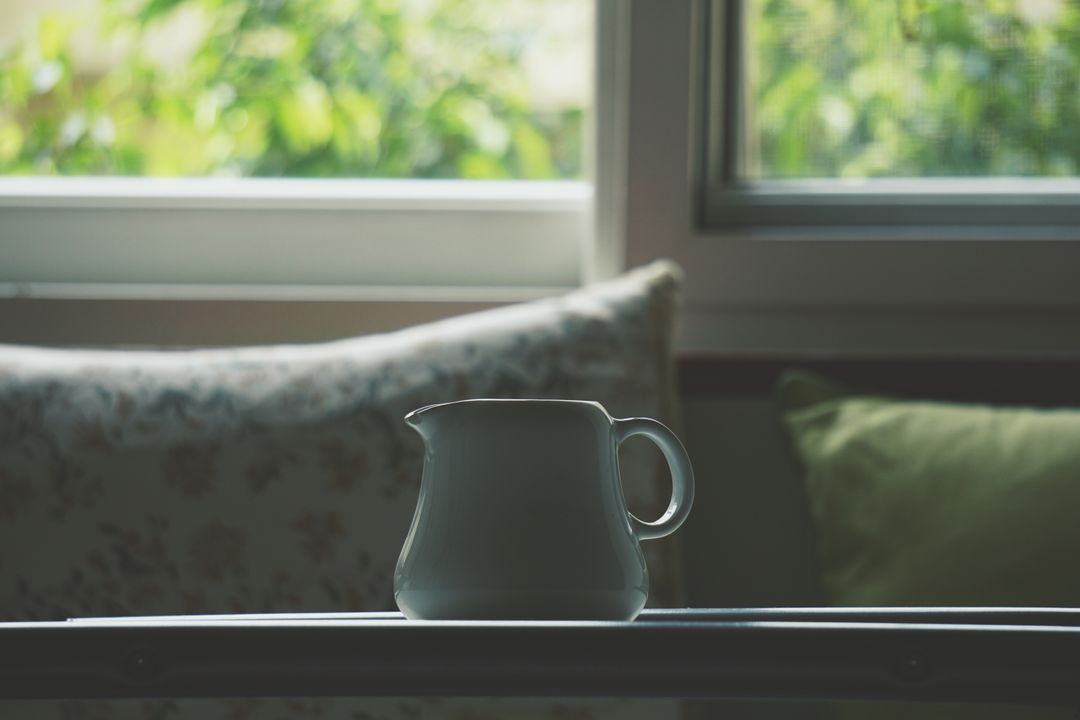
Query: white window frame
<point x="346" y="240"/>
<point x="830" y="285"/>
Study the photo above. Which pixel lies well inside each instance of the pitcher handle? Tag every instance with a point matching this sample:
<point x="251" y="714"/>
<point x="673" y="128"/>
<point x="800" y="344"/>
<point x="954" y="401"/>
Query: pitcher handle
<point x="682" y="475"/>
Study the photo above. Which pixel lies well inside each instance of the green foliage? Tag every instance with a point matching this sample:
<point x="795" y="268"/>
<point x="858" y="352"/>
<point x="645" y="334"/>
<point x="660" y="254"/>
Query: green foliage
<point x="308" y="88"/>
<point x="914" y="88"/>
<point x="423" y="88"/>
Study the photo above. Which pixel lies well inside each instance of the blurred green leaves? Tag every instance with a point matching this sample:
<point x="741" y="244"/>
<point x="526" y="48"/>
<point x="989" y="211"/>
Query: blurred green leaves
<point x="300" y="88"/>
<point x="913" y="88"/>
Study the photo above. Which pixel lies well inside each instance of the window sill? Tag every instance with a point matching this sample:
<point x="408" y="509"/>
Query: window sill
<point x="971" y="206"/>
<point x="292" y="193"/>
<point x="278" y="293"/>
<point x="928" y="233"/>
<point x="316" y="238"/>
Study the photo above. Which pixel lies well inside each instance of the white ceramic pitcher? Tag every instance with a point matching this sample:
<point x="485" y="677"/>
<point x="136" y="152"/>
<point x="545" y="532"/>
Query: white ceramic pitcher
<point x="521" y="513"/>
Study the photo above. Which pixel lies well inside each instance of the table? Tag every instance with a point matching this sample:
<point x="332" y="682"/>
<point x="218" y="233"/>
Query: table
<point x="1026" y="656"/>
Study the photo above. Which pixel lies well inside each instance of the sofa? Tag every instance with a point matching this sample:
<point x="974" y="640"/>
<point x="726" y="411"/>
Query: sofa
<point x="282" y="478"/>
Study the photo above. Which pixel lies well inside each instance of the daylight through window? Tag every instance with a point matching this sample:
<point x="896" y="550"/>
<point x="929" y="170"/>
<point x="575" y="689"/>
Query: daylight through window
<point x="485" y="89"/>
<point x="911" y="88"/>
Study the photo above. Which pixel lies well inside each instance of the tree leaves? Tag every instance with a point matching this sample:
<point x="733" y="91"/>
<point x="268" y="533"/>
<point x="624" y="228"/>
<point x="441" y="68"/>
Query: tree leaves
<point x="343" y="88"/>
<point x="914" y="88"/>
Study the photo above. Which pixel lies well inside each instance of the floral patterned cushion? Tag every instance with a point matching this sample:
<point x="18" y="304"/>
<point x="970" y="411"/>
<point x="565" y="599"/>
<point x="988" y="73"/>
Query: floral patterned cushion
<point x="283" y="478"/>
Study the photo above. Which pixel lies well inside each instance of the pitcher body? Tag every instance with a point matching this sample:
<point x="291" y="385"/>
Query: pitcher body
<point x="521" y="515"/>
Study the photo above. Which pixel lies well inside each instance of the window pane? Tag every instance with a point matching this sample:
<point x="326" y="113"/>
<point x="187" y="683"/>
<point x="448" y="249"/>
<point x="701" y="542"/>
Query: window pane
<point x="297" y="88"/>
<point x="911" y="88"/>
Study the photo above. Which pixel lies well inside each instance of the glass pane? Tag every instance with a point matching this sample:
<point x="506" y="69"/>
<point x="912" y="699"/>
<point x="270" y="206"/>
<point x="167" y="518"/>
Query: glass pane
<point x="911" y="88"/>
<point x="297" y="88"/>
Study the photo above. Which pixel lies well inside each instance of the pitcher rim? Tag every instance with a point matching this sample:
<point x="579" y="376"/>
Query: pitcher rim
<point x="476" y="401"/>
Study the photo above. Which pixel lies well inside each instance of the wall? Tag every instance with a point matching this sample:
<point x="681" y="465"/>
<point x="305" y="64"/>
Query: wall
<point x="178" y="323"/>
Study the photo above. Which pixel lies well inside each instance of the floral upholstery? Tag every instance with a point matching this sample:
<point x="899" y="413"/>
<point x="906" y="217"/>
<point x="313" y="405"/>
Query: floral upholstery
<point x="283" y="478"/>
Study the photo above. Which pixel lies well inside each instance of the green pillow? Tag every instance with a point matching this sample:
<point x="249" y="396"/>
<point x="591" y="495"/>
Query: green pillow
<point x="925" y="503"/>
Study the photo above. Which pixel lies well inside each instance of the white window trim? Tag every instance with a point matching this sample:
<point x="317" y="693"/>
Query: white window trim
<point x="605" y="256"/>
<point x="318" y="239"/>
<point x="830" y="287"/>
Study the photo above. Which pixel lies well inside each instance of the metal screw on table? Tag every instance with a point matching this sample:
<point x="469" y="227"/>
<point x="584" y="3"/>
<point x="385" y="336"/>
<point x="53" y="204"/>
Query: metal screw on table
<point x="913" y="670"/>
<point x="141" y="665"/>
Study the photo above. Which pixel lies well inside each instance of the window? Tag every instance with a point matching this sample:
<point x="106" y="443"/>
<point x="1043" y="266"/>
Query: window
<point x="305" y="88"/>
<point x="827" y="269"/>
<point x="344" y="143"/>
<point x="904" y="112"/>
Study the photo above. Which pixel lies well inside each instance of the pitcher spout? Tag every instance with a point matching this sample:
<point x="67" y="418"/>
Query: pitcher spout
<point x="422" y="420"/>
<point x="414" y="418"/>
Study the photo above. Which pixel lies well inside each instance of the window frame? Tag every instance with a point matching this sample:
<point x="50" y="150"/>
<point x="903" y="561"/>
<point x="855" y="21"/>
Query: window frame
<point x="363" y="240"/>
<point x="958" y="207"/>
<point x="832" y="288"/>
<point x="760" y="289"/>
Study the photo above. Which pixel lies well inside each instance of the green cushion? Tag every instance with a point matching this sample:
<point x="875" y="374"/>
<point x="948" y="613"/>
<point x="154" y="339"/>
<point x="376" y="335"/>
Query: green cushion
<point x="924" y="503"/>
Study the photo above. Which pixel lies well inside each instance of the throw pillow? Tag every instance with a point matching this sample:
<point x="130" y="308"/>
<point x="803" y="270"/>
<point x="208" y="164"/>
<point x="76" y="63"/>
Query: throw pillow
<point x="927" y="503"/>
<point x="283" y="478"/>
